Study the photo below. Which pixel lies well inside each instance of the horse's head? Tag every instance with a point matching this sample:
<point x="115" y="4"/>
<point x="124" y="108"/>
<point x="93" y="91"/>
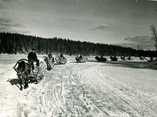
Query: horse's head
<point x="21" y="66"/>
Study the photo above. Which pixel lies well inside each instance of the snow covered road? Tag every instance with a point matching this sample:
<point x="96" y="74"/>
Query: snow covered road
<point x="81" y="90"/>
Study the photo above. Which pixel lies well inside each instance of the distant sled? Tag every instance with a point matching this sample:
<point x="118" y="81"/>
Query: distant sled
<point x="60" y="60"/>
<point x="100" y="59"/>
<point x="113" y="58"/>
<point x="80" y="59"/>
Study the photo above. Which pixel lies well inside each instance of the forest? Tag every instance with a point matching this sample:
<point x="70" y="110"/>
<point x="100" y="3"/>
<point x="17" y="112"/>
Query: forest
<point x="13" y="43"/>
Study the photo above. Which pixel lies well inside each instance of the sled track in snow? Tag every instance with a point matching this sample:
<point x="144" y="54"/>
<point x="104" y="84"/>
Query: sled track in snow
<point x="74" y="91"/>
<point x="111" y="98"/>
<point x="80" y="90"/>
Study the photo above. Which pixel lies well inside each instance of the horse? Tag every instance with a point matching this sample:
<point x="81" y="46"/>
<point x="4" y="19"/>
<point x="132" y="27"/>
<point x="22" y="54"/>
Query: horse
<point x="27" y="75"/>
<point x="22" y="69"/>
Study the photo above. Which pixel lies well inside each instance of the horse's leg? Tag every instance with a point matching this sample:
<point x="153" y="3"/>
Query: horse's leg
<point x="20" y="81"/>
<point x="21" y="87"/>
<point x="25" y="81"/>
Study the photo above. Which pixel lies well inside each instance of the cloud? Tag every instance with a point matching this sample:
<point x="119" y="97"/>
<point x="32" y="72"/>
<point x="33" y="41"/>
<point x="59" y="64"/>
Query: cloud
<point x="139" y="42"/>
<point x="153" y="0"/>
<point x="7" y="25"/>
<point x="139" y="39"/>
<point x="4" y="4"/>
<point x="4" y="22"/>
<point x="8" y="22"/>
<point x="101" y="27"/>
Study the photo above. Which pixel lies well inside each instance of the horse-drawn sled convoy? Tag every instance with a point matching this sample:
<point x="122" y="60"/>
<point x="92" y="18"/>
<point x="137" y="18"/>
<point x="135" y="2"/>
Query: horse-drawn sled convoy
<point x="32" y="70"/>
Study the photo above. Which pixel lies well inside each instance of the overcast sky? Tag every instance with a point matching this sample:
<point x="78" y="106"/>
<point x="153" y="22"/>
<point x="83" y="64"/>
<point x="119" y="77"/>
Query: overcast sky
<point x="105" y="21"/>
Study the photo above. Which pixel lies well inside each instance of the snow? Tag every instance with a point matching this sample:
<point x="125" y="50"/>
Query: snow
<point x="88" y="89"/>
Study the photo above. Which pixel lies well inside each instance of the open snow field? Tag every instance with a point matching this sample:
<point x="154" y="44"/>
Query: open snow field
<point x="80" y="90"/>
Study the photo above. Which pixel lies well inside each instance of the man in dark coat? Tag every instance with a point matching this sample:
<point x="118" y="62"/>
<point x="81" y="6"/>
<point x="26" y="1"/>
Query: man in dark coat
<point x="32" y="57"/>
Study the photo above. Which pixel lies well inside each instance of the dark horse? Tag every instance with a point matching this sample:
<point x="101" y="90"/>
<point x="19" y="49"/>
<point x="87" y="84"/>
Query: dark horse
<point x="28" y="75"/>
<point x="23" y="69"/>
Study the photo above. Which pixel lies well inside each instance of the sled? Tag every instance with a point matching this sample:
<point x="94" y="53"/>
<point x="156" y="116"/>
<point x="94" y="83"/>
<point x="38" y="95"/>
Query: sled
<point x="49" y="63"/>
<point x="60" y="60"/>
<point x="100" y="59"/>
<point x="80" y="59"/>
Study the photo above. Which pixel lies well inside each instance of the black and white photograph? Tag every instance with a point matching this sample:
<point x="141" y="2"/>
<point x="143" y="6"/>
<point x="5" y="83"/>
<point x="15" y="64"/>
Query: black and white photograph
<point x="78" y="58"/>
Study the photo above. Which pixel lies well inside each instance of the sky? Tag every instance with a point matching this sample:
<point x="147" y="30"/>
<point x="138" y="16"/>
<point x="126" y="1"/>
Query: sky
<point x="103" y="21"/>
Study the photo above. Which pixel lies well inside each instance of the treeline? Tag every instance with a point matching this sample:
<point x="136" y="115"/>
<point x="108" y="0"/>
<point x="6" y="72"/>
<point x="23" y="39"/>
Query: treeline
<point x="19" y="43"/>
